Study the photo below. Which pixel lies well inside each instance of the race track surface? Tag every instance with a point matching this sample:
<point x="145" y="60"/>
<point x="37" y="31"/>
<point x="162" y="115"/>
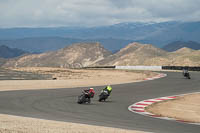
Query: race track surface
<point x="60" y="104"/>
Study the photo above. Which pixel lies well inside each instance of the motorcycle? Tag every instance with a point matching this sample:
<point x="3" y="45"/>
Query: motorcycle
<point x="187" y="75"/>
<point x="103" y="96"/>
<point x="83" y="98"/>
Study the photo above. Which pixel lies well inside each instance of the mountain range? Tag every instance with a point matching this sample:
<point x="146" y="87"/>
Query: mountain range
<point x="94" y="54"/>
<point x="6" y="52"/>
<point x="134" y="54"/>
<point x="45" y="44"/>
<point x="73" y="56"/>
<point x="113" y="37"/>
<point x="146" y="54"/>
<point x="2" y="61"/>
<point x="173" y="46"/>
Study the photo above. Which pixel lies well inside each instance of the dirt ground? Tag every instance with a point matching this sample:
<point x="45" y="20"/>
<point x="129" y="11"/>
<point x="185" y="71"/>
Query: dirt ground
<point x="70" y="78"/>
<point x="15" y="124"/>
<point x="65" y="78"/>
<point x="185" y="108"/>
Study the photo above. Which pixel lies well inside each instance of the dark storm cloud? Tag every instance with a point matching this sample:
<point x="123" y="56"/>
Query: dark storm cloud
<point x="15" y="13"/>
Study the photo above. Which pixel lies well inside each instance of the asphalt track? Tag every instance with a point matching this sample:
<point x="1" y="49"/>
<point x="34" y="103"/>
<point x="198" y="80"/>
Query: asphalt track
<point x="60" y="104"/>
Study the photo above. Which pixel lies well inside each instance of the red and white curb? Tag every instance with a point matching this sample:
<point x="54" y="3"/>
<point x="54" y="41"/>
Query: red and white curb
<point x="139" y="108"/>
<point x="160" y="75"/>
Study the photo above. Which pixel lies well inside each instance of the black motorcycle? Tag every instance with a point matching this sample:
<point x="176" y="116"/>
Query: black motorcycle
<point x="83" y="98"/>
<point x="187" y="75"/>
<point x="103" y="96"/>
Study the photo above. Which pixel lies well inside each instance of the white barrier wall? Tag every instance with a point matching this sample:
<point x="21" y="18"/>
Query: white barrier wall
<point x="139" y="67"/>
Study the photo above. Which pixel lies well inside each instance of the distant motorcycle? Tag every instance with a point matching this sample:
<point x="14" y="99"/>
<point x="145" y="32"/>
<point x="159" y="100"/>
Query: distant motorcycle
<point x="83" y="98"/>
<point x="187" y="75"/>
<point x="103" y="96"/>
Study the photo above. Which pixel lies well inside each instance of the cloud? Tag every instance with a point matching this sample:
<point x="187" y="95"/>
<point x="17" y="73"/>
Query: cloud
<point x="37" y="13"/>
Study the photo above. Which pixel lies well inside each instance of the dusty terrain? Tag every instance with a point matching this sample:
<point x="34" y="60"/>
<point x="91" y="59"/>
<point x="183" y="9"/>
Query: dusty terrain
<point x="69" y="78"/>
<point x="15" y="124"/>
<point x="185" y="108"/>
<point x="66" y="78"/>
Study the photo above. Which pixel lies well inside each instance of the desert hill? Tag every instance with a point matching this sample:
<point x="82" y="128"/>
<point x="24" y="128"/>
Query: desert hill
<point x="73" y="56"/>
<point x="94" y="54"/>
<point x="173" y="46"/>
<point x="183" y="50"/>
<point x="185" y="56"/>
<point x="134" y="54"/>
<point x="148" y="55"/>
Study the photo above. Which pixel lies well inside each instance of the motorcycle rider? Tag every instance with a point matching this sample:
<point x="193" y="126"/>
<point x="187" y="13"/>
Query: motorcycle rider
<point x="108" y="88"/>
<point x="185" y="71"/>
<point x="89" y="93"/>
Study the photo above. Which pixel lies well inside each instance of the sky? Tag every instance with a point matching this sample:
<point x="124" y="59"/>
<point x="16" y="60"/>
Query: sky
<point x="90" y="13"/>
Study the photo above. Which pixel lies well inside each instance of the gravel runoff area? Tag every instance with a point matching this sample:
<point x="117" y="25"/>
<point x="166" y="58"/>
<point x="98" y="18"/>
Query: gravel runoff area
<point x="186" y="108"/>
<point x="71" y="78"/>
<point x="65" y="78"/>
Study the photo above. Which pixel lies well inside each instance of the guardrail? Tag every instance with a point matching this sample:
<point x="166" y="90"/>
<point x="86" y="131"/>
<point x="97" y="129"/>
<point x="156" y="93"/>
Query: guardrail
<point x="152" y="68"/>
<point x="140" y="67"/>
<point x="190" y="68"/>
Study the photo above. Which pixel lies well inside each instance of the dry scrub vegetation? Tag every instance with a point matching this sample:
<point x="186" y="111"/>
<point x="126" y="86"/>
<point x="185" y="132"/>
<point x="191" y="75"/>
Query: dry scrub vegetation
<point x="63" y="73"/>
